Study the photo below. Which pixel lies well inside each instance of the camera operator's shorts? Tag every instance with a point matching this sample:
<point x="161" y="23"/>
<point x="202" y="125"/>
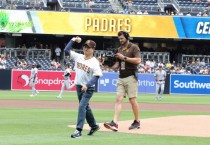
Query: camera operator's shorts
<point x="127" y="87"/>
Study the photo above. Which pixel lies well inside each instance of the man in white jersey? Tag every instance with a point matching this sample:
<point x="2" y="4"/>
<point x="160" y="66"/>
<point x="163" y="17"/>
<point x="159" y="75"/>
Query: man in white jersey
<point x="66" y="82"/>
<point x="33" y="80"/>
<point x="88" y="72"/>
<point x="160" y="76"/>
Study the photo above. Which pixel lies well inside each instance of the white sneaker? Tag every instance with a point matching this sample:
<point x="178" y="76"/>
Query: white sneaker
<point x="33" y="95"/>
<point x="59" y="97"/>
<point x="37" y="91"/>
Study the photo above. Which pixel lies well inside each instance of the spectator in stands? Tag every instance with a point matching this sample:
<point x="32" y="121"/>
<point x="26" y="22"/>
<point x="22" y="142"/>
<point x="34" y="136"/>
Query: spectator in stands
<point x="21" y="56"/>
<point x="53" y="64"/>
<point x="180" y="14"/>
<point x="41" y="8"/>
<point x="152" y="65"/>
<point x="27" y="7"/>
<point x="202" y="63"/>
<point x="34" y="47"/>
<point x="33" y="8"/>
<point x="132" y="12"/>
<point x="14" y="6"/>
<point x="161" y="63"/>
<point x="101" y="61"/>
<point x="199" y="14"/>
<point x="90" y="10"/>
<point x="23" y="46"/>
<point x="188" y="14"/>
<point x="168" y="64"/>
<point x="145" y="12"/>
<point x="205" y="14"/>
<point x="46" y="47"/>
<point x="147" y="66"/>
<point x="159" y="12"/>
<point x="174" y="63"/>
<point x="57" y="53"/>
<point x="141" y="68"/>
<point x="172" y="13"/>
<point x="139" y="12"/>
<point x="3" y="62"/>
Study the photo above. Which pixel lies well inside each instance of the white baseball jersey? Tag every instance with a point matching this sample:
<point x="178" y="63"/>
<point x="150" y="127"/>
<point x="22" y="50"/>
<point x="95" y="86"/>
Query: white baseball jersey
<point x="85" y="69"/>
<point x="65" y="73"/>
<point x="34" y="71"/>
<point x="160" y="75"/>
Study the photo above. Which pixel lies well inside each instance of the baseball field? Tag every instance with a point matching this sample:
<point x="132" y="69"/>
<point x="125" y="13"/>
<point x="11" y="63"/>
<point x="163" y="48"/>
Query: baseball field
<point x="45" y="120"/>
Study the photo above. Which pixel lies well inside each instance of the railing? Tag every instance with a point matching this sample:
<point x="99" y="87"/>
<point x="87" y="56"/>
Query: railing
<point x="173" y="2"/>
<point x="60" y="3"/>
<point x="27" y="53"/>
<point x="205" y="58"/>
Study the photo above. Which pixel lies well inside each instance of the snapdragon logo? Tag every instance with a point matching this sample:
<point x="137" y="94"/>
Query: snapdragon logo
<point x="23" y="80"/>
<point x="192" y="85"/>
<point x="50" y="82"/>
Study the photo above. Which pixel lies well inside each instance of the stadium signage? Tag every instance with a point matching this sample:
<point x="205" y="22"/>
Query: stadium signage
<point x="108" y="83"/>
<point x="47" y="80"/>
<point x="190" y="84"/>
<point x="107" y="24"/>
<point x="203" y="28"/>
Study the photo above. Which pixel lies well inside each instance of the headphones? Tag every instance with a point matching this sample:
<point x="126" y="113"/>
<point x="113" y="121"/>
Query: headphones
<point x="125" y="34"/>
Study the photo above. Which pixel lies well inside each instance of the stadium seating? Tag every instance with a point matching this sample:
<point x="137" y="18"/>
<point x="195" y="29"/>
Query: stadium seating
<point x="82" y="6"/>
<point x="43" y="63"/>
<point x="192" y="7"/>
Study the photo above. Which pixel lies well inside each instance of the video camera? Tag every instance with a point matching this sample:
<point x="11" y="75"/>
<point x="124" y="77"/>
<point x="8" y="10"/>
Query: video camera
<point x="109" y="57"/>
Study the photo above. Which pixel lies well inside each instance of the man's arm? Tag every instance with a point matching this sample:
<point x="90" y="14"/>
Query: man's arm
<point x="116" y="65"/>
<point x="68" y="46"/>
<point x="128" y="59"/>
<point x="71" y="42"/>
<point x="90" y="83"/>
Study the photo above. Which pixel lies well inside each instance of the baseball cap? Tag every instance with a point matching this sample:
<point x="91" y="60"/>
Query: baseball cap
<point x="90" y="43"/>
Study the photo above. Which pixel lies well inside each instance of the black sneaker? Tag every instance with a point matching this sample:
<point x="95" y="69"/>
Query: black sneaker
<point x="76" y="134"/>
<point x="93" y="130"/>
<point x="111" y="125"/>
<point x="135" y="125"/>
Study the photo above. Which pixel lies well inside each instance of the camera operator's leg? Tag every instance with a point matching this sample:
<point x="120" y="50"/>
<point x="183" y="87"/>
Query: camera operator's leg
<point x="132" y="88"/>
<point x="118" y="106"/>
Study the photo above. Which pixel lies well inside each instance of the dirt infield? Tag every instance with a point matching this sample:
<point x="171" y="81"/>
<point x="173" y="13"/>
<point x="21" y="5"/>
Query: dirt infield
<point x="188" y="125"/>
<point x="192" y="125"/>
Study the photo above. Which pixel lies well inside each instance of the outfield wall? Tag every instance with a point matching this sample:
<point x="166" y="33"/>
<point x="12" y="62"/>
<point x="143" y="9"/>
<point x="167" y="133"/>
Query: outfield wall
<point x="52" y="80"/>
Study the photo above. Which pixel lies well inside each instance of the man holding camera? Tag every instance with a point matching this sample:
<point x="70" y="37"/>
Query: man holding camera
<point x="128" y="58"/>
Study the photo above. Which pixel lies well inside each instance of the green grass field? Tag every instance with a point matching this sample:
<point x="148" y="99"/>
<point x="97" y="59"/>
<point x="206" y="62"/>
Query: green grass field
<point x="32" y="126"/>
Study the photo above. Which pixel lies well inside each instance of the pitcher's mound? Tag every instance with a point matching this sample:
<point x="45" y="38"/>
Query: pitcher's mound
<point x="187" y="125"/>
